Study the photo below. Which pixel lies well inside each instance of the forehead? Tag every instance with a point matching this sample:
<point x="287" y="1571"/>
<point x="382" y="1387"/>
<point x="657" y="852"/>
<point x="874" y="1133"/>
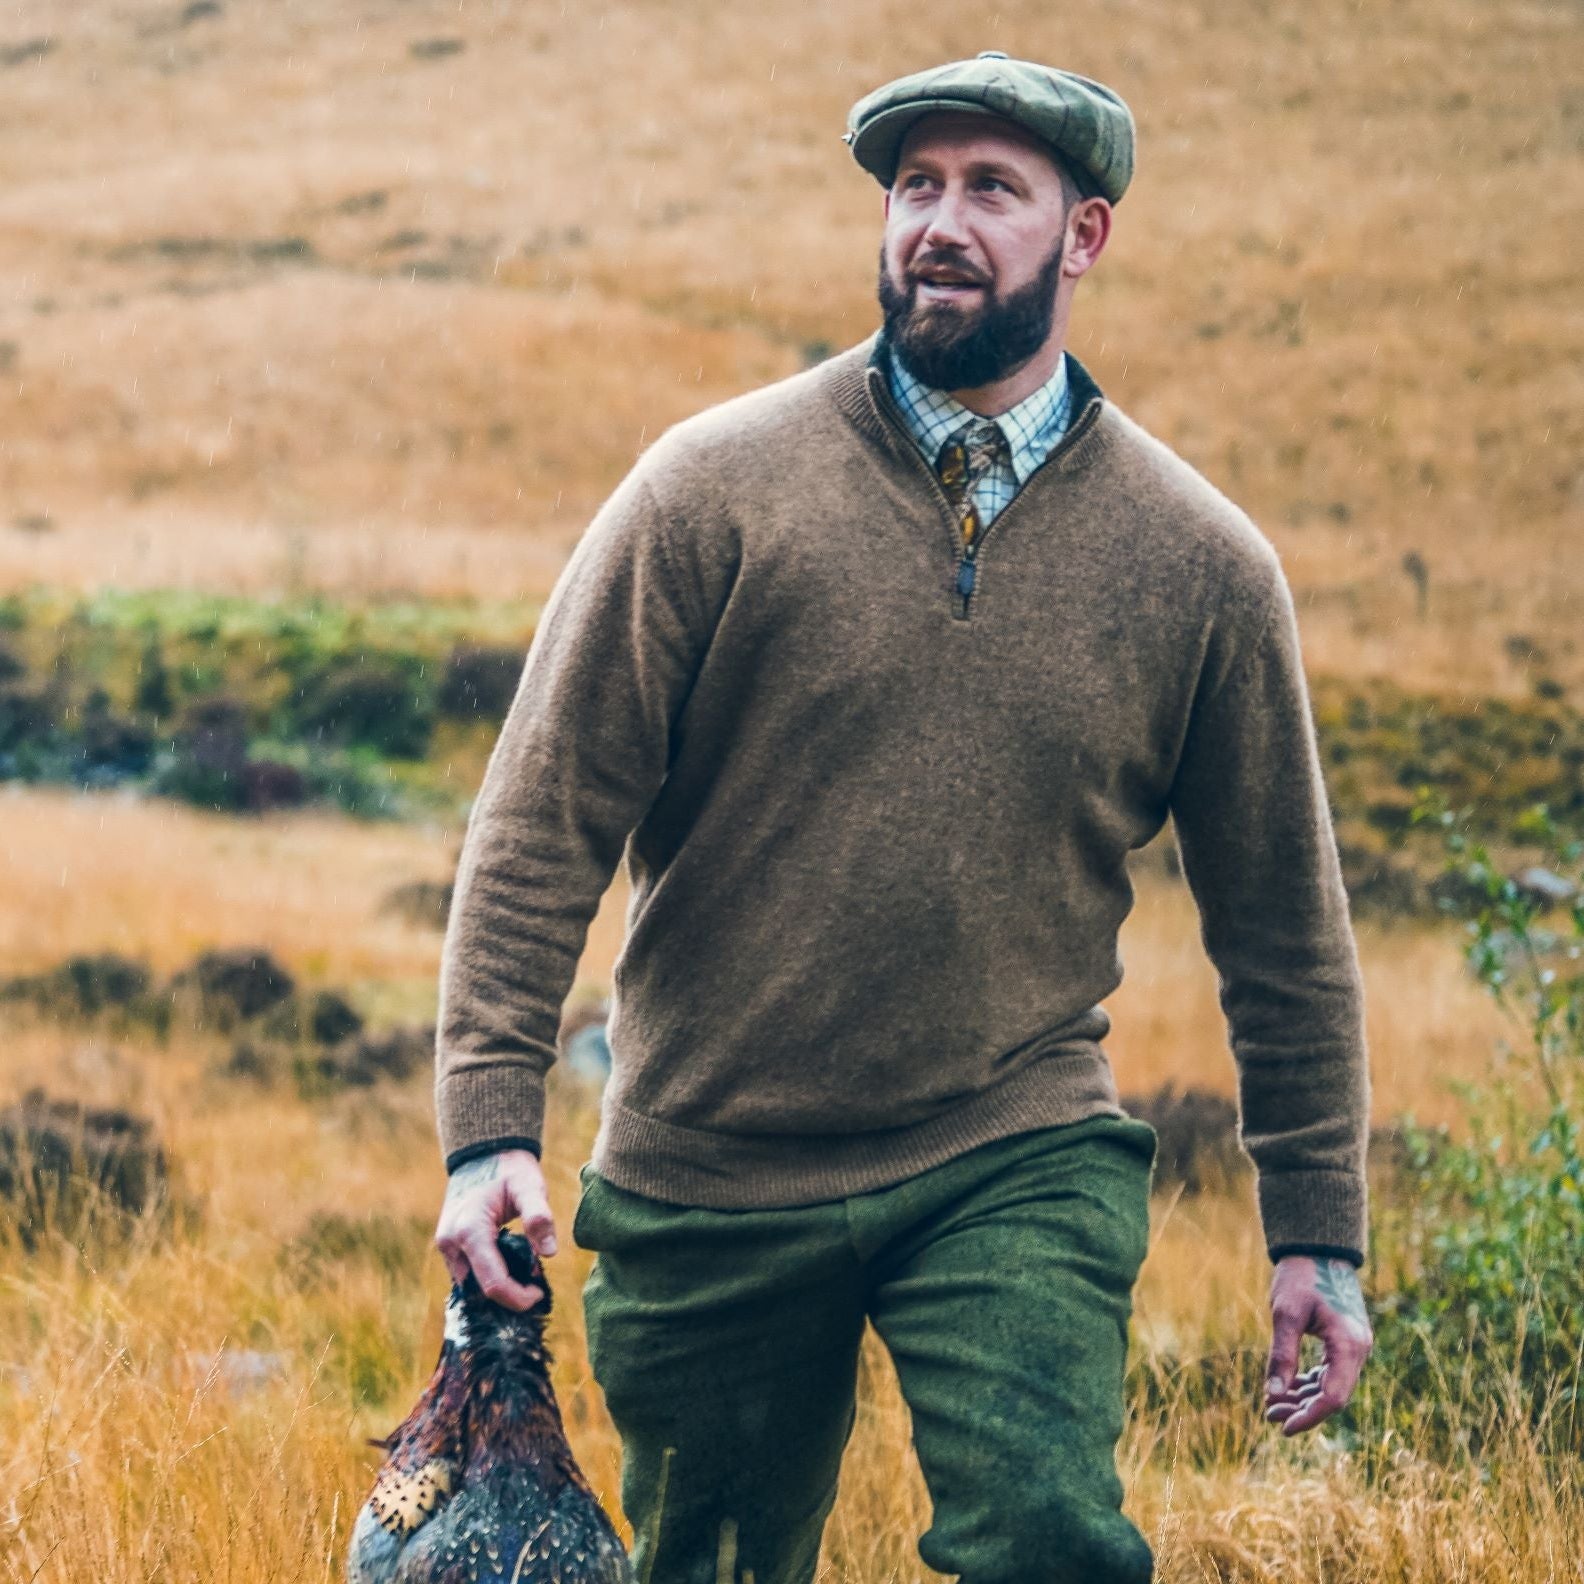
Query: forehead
<point x="957" y="134"/>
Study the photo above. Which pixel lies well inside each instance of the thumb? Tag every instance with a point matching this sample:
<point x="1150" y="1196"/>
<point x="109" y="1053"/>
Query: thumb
<point x="531" y="1202"/>
<point x="539" y="1229"/>
<point x="1287" y="1329"/>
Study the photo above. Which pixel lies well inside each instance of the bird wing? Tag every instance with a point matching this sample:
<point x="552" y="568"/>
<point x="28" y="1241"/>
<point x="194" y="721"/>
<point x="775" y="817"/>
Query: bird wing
<point x="402" y="1499"/>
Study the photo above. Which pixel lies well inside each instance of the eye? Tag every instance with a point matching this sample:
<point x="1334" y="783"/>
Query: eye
<point x="994" y="181"/>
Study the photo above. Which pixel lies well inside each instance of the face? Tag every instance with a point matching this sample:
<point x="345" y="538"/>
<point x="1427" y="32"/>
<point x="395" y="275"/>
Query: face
<point x="972" y="256"/>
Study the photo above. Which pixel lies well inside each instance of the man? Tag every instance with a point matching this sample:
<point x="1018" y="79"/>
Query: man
<point x="877" y="675"/>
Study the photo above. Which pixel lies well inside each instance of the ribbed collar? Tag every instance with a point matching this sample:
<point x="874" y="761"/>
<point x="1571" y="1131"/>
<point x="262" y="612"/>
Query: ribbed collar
<point x="857" y="381"/>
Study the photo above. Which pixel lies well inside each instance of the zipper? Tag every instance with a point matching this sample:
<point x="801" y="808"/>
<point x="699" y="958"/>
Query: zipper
<point x="968" y="574"/>
<point x="966" y="557"/>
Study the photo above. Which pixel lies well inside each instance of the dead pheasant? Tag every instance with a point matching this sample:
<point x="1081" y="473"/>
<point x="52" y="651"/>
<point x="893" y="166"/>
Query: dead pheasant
<point x="479" y="1484"/>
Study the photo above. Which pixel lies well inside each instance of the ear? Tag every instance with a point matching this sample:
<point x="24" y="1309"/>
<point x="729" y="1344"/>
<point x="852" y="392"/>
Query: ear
<point x="1090" y="232"/>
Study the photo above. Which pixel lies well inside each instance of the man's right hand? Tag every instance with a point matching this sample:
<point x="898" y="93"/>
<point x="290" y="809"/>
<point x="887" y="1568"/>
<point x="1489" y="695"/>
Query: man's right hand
<point x="481" y="1197"/>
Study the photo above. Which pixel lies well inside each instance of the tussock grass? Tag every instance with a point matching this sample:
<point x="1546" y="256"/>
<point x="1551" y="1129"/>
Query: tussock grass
<point x="191" y="1402"/>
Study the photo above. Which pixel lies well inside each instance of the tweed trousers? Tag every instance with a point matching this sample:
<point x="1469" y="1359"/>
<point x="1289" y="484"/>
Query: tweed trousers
<point x="727" y="1342"/>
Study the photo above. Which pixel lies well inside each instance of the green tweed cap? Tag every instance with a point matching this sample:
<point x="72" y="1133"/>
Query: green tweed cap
<point x="1085" y="122"/>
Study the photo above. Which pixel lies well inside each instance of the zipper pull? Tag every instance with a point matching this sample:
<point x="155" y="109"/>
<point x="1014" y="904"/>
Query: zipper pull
<point x="966" y="575"/>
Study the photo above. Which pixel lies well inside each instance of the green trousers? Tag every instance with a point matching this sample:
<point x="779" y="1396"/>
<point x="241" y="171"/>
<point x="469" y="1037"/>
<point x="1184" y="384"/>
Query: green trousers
<point x="1001" y="1283"/>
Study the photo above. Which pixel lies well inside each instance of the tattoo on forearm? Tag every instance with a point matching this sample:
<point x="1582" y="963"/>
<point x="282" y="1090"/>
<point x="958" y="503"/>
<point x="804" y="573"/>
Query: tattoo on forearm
<point x="1338" y="1285"/>
<point x="471" y="1173"/>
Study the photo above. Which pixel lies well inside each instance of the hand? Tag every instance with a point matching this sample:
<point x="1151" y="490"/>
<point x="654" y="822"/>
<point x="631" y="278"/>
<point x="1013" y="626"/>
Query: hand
<point x="481" y="1197"/>
<point x="1314" y="1298"/>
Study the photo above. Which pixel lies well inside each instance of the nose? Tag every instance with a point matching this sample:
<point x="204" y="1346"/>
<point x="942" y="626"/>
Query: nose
<point x="947" y="228"/>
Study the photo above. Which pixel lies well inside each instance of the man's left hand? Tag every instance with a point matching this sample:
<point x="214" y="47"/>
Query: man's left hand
<point x="1318" y="1298"/>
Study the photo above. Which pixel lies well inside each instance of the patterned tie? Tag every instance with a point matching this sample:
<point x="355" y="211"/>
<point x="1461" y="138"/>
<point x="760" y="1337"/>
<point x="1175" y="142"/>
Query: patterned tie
<point x="963" y="461"/>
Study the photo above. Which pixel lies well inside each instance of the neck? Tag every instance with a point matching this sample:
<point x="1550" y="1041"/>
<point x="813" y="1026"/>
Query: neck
<point x="512" y="1409"/>
<point x="1002" y="395"/>
<point x="857" y="383"/>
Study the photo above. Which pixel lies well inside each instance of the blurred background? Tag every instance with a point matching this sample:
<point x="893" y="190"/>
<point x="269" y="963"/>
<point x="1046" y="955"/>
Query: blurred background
<point x="324" y="330"/>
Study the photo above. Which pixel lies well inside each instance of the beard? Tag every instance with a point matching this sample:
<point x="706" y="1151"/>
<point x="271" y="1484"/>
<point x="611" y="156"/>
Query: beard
<point x="954" y="348"/>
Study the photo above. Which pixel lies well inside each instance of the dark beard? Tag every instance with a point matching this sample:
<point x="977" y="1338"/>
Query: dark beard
<point x="955" y="349"/>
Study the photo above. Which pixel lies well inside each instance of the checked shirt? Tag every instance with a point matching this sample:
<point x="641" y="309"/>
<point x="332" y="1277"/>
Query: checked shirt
<point x="1032" y="429"/>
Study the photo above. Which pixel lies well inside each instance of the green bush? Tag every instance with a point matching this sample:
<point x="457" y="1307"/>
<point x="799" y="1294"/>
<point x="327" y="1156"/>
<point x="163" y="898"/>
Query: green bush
<point x="376" y="703"/>
<point x="479" y="681"/>
<point x="1483" y="1253"/>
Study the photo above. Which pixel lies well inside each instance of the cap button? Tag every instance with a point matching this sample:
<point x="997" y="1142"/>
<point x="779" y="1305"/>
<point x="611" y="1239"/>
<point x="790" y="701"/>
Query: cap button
<point x="991" y="55"/>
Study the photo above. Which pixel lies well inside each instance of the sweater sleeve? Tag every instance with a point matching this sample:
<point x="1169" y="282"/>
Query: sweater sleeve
<point x="582" y="753"/>
<point x="1254" y="828"/>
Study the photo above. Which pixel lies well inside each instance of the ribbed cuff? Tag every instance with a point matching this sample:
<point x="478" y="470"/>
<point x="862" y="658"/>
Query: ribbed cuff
<point x="485" y="1147"/>
<point x="1314" y="1209"/>
<point x="1318" y="1251"/>
<point x="480" y="1105"/>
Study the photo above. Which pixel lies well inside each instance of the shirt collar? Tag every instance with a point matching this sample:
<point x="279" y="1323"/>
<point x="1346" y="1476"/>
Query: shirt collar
<point x="1032" y="427"/>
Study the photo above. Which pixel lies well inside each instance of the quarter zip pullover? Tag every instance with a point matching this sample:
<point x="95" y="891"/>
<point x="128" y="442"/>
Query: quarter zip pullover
<point x="877" y="847"/>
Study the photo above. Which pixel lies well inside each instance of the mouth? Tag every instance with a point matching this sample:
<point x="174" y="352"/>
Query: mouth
<point x="946" y="288"/>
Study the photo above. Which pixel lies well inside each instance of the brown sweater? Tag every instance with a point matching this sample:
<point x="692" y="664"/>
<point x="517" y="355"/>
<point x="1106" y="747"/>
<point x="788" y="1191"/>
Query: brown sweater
<point x="876" y="834"/>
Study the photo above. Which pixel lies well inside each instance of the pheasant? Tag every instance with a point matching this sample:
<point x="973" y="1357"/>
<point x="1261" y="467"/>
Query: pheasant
<point x="478" y="1483"/>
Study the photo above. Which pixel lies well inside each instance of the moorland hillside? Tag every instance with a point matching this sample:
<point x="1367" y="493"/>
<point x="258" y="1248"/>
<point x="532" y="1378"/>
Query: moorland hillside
<point x="386" y="295"/>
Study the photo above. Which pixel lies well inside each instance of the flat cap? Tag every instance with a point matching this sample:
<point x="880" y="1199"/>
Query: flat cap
<point x="1086" y="123"/>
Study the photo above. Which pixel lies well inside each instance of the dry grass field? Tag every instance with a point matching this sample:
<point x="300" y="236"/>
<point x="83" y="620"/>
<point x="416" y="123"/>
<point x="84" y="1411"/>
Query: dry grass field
<point x="192" y="1406"/>
<point x="387" y="295"/>
<point x="380" y="299"/>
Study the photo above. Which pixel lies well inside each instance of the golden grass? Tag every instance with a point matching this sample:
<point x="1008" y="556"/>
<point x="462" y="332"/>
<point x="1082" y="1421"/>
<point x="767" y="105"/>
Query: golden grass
<point x="293" y="308"/>
<point x="193" y="1406"/>
<point x="162" y="881"/>
<point x="403" y="323"/>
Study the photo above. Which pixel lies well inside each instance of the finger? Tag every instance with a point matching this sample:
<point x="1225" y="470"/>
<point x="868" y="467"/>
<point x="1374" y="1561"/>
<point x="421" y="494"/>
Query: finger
<point x="1306" y="1418"/>
<point x="1319" y="1408"/>
<point x="1302" y="1384"/>
<point x="1289" y="1400"/>
<point x="1304" y="1377"/>
<point x="1345" y="1352"/>
<point x="455" y="1263"/>
<point x="1289" y="1403"/>
<point x="489" y="1267"/>
<point x="540" y="1231"/>
<point x="533" y="1209"/>
<point x="1298" y="1396"/>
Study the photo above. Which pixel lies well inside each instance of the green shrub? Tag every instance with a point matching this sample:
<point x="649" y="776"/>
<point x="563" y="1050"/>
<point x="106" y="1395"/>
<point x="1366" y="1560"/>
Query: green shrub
<point x="84" y="986"/>
<point x="1483" y="1254"/>
<point x="374" y="703"/>
<point x="479" y="681"/>
<point x="79" y="1171"/>
<point x="153" y="693"/>
<point x="322" y="1017"/>
<point x="227" y="986"/>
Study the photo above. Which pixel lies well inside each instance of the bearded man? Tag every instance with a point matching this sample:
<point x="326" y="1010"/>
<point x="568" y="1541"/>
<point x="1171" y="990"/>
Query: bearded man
<point x="876" y="676"/>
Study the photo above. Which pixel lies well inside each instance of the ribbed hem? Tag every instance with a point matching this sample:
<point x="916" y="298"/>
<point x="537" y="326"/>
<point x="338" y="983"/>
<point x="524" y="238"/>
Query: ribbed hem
<point x="478" y="1105"/>
<point x="736" y="1171"/>
<point x="1308" y="1209"/>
